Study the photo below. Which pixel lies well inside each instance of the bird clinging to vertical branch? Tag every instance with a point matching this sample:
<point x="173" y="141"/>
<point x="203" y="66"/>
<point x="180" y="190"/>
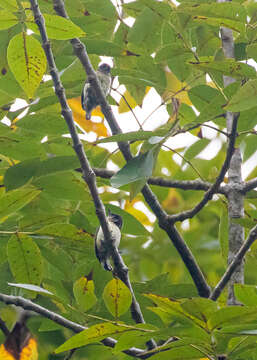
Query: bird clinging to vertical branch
<point x="89" y="100"/>
<point x="103" y="250"/>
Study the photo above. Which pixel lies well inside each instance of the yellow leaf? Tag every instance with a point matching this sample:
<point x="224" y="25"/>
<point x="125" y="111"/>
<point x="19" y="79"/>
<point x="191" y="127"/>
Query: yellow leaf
<point x="4" y="354"/>
<point x="27" y="61"/>
<point x="28" y="352"/>
<point x="138" y="214"/>
<point x="126" y="105"/>
<point x="127" y="102"/>
<point x="87" y="125"/>
<point x="175" y="89"/>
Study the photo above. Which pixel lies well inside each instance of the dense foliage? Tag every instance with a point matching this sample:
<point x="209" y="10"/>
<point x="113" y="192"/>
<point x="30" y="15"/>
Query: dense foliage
<point x="47" y="216"/>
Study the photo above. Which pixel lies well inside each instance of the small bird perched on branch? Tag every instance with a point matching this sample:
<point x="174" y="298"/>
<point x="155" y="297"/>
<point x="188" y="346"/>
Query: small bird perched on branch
<point x="89" y="100"/>
<point x="103" y="250"/>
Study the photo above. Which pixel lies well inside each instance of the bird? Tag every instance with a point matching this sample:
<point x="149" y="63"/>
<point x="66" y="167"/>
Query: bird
<point x="89" y="100"/>
<point x="103" y="250"/>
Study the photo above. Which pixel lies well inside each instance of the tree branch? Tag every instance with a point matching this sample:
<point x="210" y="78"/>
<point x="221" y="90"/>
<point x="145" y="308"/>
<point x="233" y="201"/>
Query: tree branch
<point x="160" y="181"/>
<point x="80" y="52"/>
<point x="213" y="189"/>
<point x="235" y="197"/>
<point x="234" y="264"/>
<point x="58" y="319"/>
<point x="249" y="185"/>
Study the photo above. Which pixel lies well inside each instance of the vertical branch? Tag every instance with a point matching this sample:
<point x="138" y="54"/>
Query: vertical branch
<point x="235" y="198"/>
<point x="236" y="231"/>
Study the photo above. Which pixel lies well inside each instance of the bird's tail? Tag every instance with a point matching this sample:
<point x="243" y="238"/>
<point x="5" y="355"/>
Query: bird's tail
<point x="88" y="115"/>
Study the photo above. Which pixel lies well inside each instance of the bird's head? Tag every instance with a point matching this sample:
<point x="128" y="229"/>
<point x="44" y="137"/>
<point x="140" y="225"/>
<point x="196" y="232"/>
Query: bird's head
<point x="104" y="68"/>
<point x="116" y="219"/>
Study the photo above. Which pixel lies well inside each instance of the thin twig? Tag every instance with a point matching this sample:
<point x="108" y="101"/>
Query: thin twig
<point x="213" y="189"/>
<point x="130" y="108"/>
<point x="233" y="265"/>
<point x="187" y="161"/>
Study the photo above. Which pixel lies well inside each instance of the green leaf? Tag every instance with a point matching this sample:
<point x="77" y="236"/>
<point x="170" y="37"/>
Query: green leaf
<point x="232" y="315"/>
<point x="27" y="62"/>
<point x="252" y="51"/>
<point x="14" y="200"/>
<point x="9" y="5"/>
<point x="140" y="167"/>
<point x="195" y="149"/>
<point x="200" y="308"/>
<point x="104" y="48"/>
<point x="58" y="27"/>
<point x="245" y="97"/>
<point x="53" y="123"/>
<point x="25" y="259"/>
<point x="140" y="30"/>
<point x="179" y="352"/>
<point x="223" y="233"/>
<point x="58" y="258"/>
<point x="68" y="186"/>
<point x="7" y="20"/>
<point x="84" y="292"/>
<point x="227" y="67"/>
<point x="219" y="14"/>
<point x="132" y="339"/>
<point x="94" y="334"/>
<point x="117" y="297"/>
<point x="132" y="136"/>
<point x="245" y="222"/>
<point x="202" y="96"/>
<point x="247" y="294"/>
<point x="172" y="50"/>
<point x="19" y="174"/>
<point x="67" y="232"/>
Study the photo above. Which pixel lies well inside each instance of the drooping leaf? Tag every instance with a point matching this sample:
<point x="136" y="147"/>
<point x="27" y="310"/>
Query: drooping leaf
<point x="83" y="290"/>
<point x="117" y="297"/>
<point x="14" y="200"/>
<point x="232" y="315"/>
<point x="245" y="98"/>
<point x="7" y="19"/>
<point x="10" y="5"/>
<point x="139" y="168"/>
<point x="25" y="259"/>
<point x="247" y="294"/>
<point x="27" y="62"/>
